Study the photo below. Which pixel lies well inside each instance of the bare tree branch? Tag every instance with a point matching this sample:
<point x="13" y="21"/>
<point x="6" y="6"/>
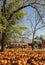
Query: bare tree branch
<point x="29" y="5"/>
<point x="17" y="11"/>
<point x="40" y="27"/>
<point x="31" y="26"/>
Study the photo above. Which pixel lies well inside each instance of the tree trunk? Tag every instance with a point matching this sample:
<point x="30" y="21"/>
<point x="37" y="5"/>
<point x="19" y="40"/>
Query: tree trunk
<point x="3" y="42"/>
<point x="3" y="33"/>
<point x="33" y="40"/>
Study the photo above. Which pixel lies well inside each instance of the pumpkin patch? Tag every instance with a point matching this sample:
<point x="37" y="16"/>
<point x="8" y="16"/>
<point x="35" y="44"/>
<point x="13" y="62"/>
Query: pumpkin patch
<point x="22" y="57"/>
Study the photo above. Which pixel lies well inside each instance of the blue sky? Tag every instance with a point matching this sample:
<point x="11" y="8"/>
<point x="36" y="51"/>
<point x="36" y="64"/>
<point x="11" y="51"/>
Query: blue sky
<point x="26" y="22"/>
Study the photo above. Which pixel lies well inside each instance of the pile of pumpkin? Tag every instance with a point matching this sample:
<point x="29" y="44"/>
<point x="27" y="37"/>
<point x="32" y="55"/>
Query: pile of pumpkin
<point x="22" y="57"/>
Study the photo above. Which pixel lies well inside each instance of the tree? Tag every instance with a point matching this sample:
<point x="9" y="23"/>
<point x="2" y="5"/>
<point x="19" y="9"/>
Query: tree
<point x="7" y="27"/>
<point x="35" y="25"/>
<point x="11" y="11"/>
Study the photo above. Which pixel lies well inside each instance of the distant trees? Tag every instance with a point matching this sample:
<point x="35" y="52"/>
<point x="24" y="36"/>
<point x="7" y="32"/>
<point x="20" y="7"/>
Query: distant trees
<point x="42" y="38"/>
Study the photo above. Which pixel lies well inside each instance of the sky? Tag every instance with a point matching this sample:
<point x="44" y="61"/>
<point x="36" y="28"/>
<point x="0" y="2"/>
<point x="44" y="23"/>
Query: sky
<point x="26" y="22"/>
